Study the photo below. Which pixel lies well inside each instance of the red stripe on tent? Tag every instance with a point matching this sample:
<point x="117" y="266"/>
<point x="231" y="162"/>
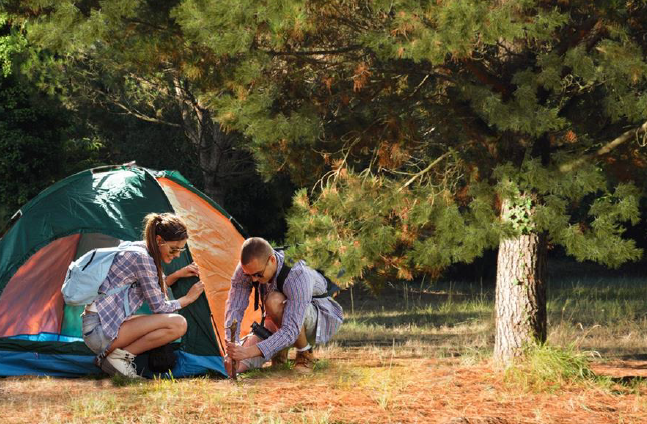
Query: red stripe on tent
<point x="32" y="303"/>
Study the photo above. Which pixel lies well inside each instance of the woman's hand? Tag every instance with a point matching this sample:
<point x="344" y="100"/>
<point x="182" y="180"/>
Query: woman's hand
<point x="190" y="270"/>
<point x="192" y="295"/>
<point x="196" y="290"/>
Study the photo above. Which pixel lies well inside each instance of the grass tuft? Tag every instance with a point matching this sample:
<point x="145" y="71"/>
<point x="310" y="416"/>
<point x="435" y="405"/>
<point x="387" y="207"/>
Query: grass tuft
<point x="121" y="381"/>
<point x="546" y="368"/>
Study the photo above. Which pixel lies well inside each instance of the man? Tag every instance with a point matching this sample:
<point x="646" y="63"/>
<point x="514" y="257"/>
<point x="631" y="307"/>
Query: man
<point x="298" y="319"/>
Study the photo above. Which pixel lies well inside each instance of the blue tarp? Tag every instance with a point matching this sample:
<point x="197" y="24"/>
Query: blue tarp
<point x="66" y="365"/>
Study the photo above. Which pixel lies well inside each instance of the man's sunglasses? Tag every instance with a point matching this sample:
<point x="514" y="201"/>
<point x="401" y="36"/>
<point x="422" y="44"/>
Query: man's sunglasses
<point x="259" y="274"/>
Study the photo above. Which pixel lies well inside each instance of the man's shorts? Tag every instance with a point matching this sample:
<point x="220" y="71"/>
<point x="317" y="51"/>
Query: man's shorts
<point x="310" y="324"/>
<point x="93" y="335"/>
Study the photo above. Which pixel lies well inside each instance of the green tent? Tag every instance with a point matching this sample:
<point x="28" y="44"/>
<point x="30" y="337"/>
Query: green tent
<point x="40" y="335"/>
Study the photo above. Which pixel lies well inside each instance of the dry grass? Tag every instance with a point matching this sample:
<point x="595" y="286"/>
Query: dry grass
<point x="361" y="386"/>
<point x="421" y="356"/>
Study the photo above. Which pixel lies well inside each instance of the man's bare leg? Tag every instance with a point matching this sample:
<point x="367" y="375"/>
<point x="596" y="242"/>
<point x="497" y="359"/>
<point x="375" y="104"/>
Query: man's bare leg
<point x="274" y="305"/>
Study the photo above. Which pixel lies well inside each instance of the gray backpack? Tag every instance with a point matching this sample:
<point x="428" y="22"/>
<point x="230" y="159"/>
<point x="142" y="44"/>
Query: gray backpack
<point x="86" y="274"/>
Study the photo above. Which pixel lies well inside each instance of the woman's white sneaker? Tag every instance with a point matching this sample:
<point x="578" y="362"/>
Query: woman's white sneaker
<point x="120" y="362"/>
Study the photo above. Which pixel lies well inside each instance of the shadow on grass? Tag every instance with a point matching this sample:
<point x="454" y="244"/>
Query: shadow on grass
<point x="421" y="318"/>
<point x="443" y="319"/>
<point x="280" y="370"/>
<point x="399" y="340"/>
<point x="629" y="381"/>
<point x="636" y="357"/>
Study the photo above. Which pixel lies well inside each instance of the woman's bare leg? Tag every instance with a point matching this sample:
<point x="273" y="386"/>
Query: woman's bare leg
<point x="144" y="332"/>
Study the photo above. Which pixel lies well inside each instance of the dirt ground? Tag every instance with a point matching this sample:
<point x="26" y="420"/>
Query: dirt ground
<point x="444" y="391"/>
<point x="351" y="386"/>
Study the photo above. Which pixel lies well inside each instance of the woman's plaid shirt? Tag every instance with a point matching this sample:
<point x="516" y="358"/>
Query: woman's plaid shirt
<point x="129" y="267"/>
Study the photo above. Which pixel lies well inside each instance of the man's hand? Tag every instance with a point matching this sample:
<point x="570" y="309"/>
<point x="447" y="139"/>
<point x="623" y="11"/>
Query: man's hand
<point x="238" y="353"/>
<point x="228" y="365"/>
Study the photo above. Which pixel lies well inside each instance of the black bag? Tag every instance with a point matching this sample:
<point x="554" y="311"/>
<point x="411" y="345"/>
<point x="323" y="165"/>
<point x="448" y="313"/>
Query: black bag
<point x="332" y="289"/>
<point x="161" y="359"/>
<point x="260" y="331"/>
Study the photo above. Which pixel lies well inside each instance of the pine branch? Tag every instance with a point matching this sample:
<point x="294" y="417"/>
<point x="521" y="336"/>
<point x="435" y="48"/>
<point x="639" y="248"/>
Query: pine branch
<point x="185" y="110"/>
<point x="134" y="112"/>
<point x="424" y="171"/>
<point x="483" y="76"/>
<point x="314" y="52"/>
<point x="572" y="36"/>
<point x="152" y="25"/>
<point x="607" y="148"/>
<point x="143" y="116"/>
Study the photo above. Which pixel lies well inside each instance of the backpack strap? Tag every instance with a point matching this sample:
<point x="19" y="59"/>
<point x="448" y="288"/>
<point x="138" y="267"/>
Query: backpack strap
<point x="280" y="280"/>
<point x="330" y="286"/>
<point x="332" y="289"/>
<point x="257" y="295"/>
<point x="127" y="248"/>
<point x="119" y="290"/>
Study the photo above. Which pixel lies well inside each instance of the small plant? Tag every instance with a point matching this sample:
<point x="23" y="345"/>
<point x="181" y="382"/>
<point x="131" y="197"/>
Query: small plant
<point x="321" y="364"/>
<point x="548" y="368"/>
<point x="120" y="381"/>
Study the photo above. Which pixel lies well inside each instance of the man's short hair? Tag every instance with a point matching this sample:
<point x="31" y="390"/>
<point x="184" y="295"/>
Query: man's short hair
<point x="255" y="248"/>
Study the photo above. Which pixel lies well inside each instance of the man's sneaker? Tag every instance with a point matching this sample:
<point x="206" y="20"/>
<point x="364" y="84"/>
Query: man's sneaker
<point x="120" y="362"/>
<point x="281" y="358"/>
<point x="304" y="362"/>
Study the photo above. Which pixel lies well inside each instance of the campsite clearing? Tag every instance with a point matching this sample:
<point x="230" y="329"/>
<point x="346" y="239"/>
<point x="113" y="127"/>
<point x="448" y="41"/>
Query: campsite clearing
<point x="427" y="362"/>
<point x="357" y="386"/>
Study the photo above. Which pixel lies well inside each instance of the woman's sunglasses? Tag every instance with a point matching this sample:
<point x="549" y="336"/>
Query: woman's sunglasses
<point x="174" y="250"/>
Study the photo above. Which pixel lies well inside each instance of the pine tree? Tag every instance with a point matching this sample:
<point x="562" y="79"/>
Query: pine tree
<point x="429" y="131"/>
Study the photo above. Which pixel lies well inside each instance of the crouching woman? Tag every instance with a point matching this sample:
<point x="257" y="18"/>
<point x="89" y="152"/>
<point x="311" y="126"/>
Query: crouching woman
<point x="108" y="331"/>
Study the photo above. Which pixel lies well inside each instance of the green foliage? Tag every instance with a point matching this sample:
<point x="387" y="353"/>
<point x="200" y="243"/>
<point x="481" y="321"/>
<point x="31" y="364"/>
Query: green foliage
<point x="38" y="141"/>
<point x="10" y="45"/>
<point x="36" y="145"/>
<point x="548" y="368"/>
<point x="578" y="210"/>
<point x="397" y="233"/>
<point x="523" y="114"/>
<point x="496" y="87"/>
<point x="407" y="124"/>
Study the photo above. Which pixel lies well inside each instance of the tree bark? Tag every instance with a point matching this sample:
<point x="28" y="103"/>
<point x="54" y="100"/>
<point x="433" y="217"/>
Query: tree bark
<point x="216" y="155"/>
<point x="520" y="294"/>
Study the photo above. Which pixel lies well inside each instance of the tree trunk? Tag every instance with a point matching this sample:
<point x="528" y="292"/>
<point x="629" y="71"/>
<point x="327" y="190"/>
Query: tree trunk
<point x="520" y="294"/>
<point x="212" y="153"/>
<point x="216" y="155"/>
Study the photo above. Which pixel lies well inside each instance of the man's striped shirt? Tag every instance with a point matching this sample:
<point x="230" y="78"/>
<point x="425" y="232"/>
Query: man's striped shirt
<point x="300" y="285"/>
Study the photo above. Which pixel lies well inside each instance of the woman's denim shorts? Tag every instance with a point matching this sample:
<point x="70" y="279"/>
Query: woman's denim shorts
<point x="93" y="335"/>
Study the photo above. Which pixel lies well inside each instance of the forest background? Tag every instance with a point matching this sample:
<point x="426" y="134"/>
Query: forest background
<point x="455" y="158"/>
<point x="391" y="140"/>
